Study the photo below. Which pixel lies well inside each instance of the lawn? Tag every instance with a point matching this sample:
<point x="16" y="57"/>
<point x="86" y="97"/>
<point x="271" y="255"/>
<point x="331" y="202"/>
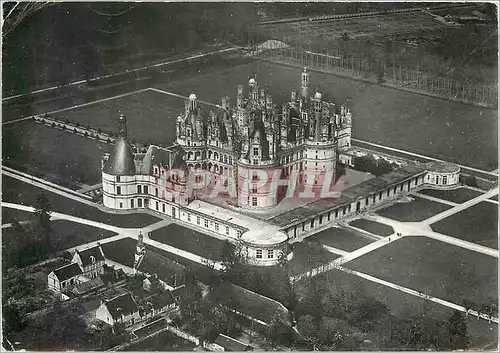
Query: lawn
<point x="151" y="116"/>
<point x="414" y="211"/>
<point x="402" y="304"/>
<point x="69" y="234"/>
<point x="494" y="198"/>
<point x="372" y="226"/>
<point x="380" y="114"/>
<point x="121" y="251"/>
<point x="16" y="191"/>
<point x="307" y="256"/>
<point x="165" y="341"/>
<point x="189" y="240"/>
<point x="438" y="269"/>
<point x="459" y="195"/>
<point x="477" y="224"/>
<point x="59" y="156"/>
<point x="341" y="238"/>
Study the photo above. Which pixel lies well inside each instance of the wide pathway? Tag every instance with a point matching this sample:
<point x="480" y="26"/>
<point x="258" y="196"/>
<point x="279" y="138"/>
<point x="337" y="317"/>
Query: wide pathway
<point x="124" y="233"/>
<point x="462" y="206"/>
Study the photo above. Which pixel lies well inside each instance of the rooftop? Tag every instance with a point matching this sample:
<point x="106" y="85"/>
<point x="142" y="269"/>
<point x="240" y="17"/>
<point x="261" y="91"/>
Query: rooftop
<point x="86" y="255"/>
<point x="232" y="344"/>
<point x="66" y="272"/>
<point x="122" y="305"/>
<point x="442" y="167"/>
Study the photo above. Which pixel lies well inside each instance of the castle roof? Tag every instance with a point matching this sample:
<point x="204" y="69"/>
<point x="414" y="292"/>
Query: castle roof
<point x="260" y="130"/>
<point x="121" y="159"/>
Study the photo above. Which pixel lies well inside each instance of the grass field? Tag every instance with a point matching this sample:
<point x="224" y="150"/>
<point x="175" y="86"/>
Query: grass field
<point x="121" y="251"/>
<point x="189" y="240"/>
<point x="404" y="305"/>
<point x="151" y="116"/>
<point x="380" y="114"/>
<point x="414" y="211"/>
<point x="53" y="153"/>
<point x="372" y="227"/>
<point x="16" y="191"/>
<point x="459" y="195"/>
<point x="306" y="256"/>
<point x="69" y="234"/>
<point x="477" y="224"/>
<point x="494" y="198"/>
<point x="434" y="268"/>
<point x="341" y="238"/>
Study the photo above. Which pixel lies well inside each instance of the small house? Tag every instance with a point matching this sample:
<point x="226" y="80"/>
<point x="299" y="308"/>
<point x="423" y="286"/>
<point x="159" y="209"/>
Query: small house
<point x="159" y="304"/>
<point x="64" y="278"/>
<point x="121" y="309"/>
<point x="91" y="261"/>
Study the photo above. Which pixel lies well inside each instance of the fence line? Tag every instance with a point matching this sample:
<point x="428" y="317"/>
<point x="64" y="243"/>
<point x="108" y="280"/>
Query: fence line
<point x="377" y="70"/>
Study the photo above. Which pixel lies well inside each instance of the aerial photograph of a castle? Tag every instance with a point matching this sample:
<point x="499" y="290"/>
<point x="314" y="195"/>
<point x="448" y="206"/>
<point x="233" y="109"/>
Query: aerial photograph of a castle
<point x="249" y="176"/>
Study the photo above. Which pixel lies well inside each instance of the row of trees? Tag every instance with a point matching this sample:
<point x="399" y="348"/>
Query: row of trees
<point x="369" y="164"/>
<point x="331" y="318"/>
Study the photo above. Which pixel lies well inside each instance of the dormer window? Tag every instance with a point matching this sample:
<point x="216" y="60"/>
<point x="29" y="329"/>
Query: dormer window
<point x="256" y="151"/>
<point x="155" y="170"/>
<point x="92" y="258"/>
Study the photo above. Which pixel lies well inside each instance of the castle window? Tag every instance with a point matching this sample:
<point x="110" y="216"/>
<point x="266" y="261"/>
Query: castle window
<point x="227" y="230"/>
<point x="256" y="151"/>
<point x="157" y="206"/>
<point x="117" y="178"/>
<point x="189" y="217"/>
<point x="255" y="176"/>
<point x="259" y="254"/>
<point x="206" y="223"/>
<point x="139" y="202"/>
<point x="156" y="192"/>
<point x="216" y="226"/>
<point x="254" y="201"/>
<point x="238" y="233"/>
<point x="254" y="188"/>
<point x="270" y="254"/>
<point x="118" y="190"/>
<point x="139" y="189"/>
<point x="255" y="162"/>
<point x="445" y="180"/>
<point x="156" y="170"/>
<point x="198" y="220"/>
<point x="146" y="189"/>
<point x="163" y="207"/>
<point x="132" y="203"/>
<point x="121" y="205"/>
<point x="230" y="160"/>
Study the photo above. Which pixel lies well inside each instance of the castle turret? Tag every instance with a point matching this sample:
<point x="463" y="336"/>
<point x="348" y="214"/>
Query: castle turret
<point x="192" y="101"/>
<point x="121" y="159"/>
<point x="239" y="97"/>
<point x="305" y="83"/>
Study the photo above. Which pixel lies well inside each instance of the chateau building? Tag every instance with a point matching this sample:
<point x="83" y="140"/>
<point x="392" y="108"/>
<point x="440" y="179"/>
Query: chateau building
<point x="258" y="153"/>
<point x="240" y="147"/>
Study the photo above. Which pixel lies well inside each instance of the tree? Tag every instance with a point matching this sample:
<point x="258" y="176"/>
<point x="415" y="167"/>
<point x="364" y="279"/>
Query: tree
<point x="43" y="211"/>
<point x="458" y="337"/>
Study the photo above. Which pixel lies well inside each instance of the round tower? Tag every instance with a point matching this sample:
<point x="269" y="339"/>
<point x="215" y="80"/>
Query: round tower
<point x="119" y="171"/>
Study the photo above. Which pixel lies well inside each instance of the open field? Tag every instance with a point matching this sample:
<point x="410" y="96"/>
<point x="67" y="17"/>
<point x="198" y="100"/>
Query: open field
<point x="459" y="195"/>
<point x="189" y="240"/>
<point x="404" y="305"/>
<point x="434" y="268"/>
<point x="341" y="238"/>
<point x="16" y="191"/>
<point x="477" y="224"/>
<point x="307" y="256"/>
<point x="69" y="234"/>
<point x="381" y="26"/>
<point x="372" y="227"/>
<point x="121" y="251"/>
<point x="414" y="211"/>
<point x="151" y="116"/>
<point x="58" y="155"/>
<point x="380" y="114"/>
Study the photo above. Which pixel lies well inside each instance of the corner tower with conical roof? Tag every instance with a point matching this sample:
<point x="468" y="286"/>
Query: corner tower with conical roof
<point x="119" y="171"/>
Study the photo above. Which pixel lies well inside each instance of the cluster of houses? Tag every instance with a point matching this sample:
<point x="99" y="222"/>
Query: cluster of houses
<point x="84" y="275"/>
